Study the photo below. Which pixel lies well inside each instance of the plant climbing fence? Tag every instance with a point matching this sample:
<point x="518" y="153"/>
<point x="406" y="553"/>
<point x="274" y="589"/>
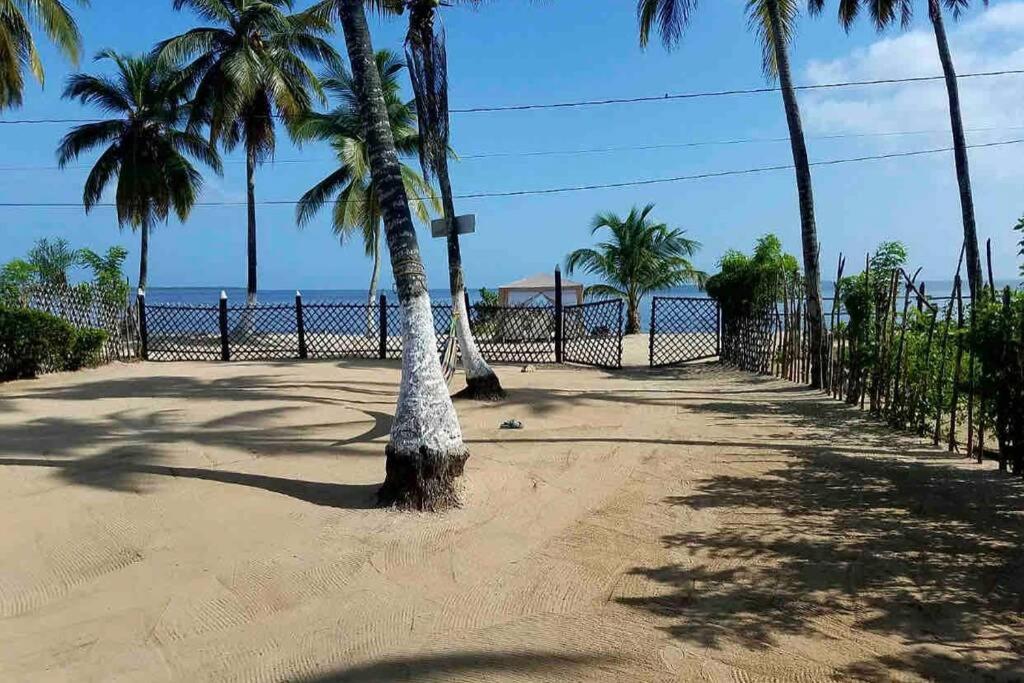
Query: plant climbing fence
<point x="945" y="367"/>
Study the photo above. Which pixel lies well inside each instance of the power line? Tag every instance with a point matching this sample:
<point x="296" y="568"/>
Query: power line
<point x="602" y="150"/>
<point x="667" y="97"/>
<point x="580" y="188"/>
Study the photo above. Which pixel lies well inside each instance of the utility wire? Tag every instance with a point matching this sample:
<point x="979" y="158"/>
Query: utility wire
<point x="579" y="188"/>
<point x="598" y="150"/>
<point x="667" y="97"/>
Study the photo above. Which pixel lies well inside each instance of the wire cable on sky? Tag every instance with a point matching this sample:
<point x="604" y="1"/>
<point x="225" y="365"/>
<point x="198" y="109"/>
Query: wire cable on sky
<point x="578" y="188"/>
<point x="597" y="150"/>
<point x="667" y="97"/>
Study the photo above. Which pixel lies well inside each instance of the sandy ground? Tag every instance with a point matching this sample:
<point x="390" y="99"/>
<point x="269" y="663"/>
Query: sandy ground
<point x="213" y="522"/>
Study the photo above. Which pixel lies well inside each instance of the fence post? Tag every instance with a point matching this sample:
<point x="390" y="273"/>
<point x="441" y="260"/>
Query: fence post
<point x="383" y="344"/>
<point x="558" y="314"/>
<point x="300" y="323"/>
<point x="225" y="350"/>
<point x="654" y="318"/>
<point x="143" y="330"/>
<point x="718" y="329"/>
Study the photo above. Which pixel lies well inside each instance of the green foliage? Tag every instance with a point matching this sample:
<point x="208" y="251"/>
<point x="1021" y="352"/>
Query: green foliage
<point x="15" y="276"/>
<point x="997" y="343"/>
<point x="349" y="189"/>
<point x="642" y="256"/>
<point x="108" y="275"/>
<point x="745" y="284"/>
<point x="1020" y="228"/>
<point x="489" y="297"/>
<point x="486" y="310"/>
<point x="145" y="144"/>
<point x="51" y="261"/>
<point x="32" y="342"/>
<point x="867" y="300"/>
<point x="18" y="47"/>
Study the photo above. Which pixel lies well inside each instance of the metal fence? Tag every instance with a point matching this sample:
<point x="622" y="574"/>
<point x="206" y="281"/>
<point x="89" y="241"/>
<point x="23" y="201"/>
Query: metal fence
<point x="683" y="329"/>
<point x="325" y="329"/>
<point x="592" y="334"/>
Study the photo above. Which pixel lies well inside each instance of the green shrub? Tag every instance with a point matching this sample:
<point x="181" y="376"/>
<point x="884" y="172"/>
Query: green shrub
<point x="32" y="342"/>
<point x="86" y="348"/>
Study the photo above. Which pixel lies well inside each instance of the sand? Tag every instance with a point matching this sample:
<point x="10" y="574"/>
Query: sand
<point x="214" y="522"/>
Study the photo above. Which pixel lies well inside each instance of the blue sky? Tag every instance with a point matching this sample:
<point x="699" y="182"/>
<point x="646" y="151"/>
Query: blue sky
<point x="516" y="51"/>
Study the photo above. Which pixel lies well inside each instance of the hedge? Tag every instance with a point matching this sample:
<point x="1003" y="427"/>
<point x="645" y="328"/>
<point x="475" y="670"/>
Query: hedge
<point x="32" y="342"/>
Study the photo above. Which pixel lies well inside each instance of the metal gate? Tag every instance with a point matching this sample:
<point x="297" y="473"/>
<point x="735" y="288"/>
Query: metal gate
<point x="684" y="329"/>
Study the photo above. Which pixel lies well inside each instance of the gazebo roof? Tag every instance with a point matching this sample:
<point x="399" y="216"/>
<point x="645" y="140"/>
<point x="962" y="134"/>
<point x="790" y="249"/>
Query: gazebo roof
<point x="539" y="282"/>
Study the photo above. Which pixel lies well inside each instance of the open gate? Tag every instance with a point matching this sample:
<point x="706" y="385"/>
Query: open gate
<point x="684" y="329"/>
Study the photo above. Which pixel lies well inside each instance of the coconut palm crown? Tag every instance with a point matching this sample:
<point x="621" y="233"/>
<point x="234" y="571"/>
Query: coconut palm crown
<point x="18" y="47"/>
<point x="642" y="256"/>
<point x="145" y="142"/>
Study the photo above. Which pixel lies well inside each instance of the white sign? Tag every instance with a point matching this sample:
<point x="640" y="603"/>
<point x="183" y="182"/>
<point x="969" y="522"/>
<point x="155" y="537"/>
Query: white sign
<point x="464" y="225"/>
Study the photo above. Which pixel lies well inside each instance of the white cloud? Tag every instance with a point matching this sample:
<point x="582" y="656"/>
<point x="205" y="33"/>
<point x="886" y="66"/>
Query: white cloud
<point x="990" y="41"/>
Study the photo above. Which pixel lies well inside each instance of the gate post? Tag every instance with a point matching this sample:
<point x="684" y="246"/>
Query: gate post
<point x="143" y="331"/>
<point x="300" y="323"/>
<point x="558" y="314"/>
<point x="225" y="350"/>
<point x="654" y="317"/>
<point x="382" y="349"/>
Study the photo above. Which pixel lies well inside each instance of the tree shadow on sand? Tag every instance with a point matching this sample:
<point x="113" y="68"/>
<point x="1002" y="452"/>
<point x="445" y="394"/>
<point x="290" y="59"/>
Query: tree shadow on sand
<point x="925" y="551"/>
<point x="118" y="450"/>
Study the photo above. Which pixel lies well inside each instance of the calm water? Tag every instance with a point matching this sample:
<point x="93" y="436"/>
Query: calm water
<point x="209" y="296"/>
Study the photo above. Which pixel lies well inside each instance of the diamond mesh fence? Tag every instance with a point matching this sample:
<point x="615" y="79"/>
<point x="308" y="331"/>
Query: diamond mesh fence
<point x="592" y="334"/>
<point x="683" y="329"/>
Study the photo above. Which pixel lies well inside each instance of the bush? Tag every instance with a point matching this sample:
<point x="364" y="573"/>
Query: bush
<point x="32" y="342"/>
<point x="86" y="348"/>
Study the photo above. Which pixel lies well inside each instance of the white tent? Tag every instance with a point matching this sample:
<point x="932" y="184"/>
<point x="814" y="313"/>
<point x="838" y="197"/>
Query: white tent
<point x="539" y="290"/>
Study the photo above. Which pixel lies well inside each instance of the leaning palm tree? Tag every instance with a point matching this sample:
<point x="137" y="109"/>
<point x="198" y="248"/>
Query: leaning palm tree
<point x="250" y="69"/>
<point x="356" y="209"/>
<point x="18" y="48"/>
<point x="428" y="67"/>
<point x="773" y="21"/>
<point x="885" y="13"/>
<point x="146" y="145"/>
<point x="642" y="256"/>
<point x="426" y="453"/>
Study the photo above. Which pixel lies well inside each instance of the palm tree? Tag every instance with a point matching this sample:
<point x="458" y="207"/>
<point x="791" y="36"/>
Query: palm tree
<point x="885" y="13"/>
<point x="146" y="144"/>
<point x="773" y="21"/>
<point x="426" y="453"/>
<point x="428" y="67"/>
<point x="249" y="69"/>
<point x="356" y="208"/>
<point x="641" y="257"/>
<point x="18" y="48"/>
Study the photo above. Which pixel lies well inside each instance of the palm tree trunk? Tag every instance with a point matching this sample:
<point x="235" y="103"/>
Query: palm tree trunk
<point x="426" y="453"/>
<point x="144" y="255"/>
<point x="808" y="229"/>
<point x="250" y="184"/>
<point x="963" y="173"/>
<point x="481" y="381"/>
<point x="632" y="314"/>
<point x="371" y="298"/>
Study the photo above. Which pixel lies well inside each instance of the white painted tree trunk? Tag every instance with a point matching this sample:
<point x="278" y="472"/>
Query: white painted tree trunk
<point x="425" y="417"/>
<point x="472" y="360"/>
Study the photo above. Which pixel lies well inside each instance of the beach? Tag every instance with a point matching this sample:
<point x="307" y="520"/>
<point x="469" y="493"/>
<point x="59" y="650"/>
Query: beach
<point x="216" y="522"/>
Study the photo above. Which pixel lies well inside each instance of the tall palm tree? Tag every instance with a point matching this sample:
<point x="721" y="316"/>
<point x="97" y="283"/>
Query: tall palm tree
<point x="250" y="68"/>
<point x="773" y="21"/>
<point x="146" y="144"/>
<point x="426" y="453"/>
<point x="350" y="186"/>
<point x="18" y="48"/>
<point x="642" y="256"/>
<point x="885" y="13"/>
<point x="428" y="67"/>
